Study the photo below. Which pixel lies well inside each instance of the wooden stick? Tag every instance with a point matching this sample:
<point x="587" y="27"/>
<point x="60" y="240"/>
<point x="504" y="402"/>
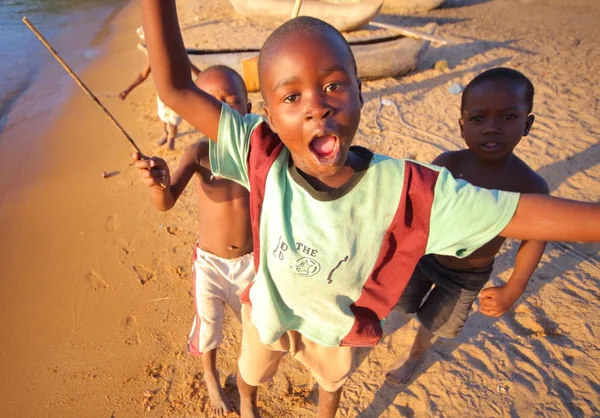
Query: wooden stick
<point x="410" y="32"/>
<point x="81" y="84"/>
<point x="296" y="9"/>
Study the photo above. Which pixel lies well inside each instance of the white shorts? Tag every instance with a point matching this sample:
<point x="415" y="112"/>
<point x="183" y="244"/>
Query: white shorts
<point x="217" y="281"/>
<point x="166" y="114"/>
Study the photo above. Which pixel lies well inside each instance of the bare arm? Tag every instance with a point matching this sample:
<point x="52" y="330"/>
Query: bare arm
<point x="495" y="301"/>
<point x="546" y="218"/>
<point x="188" y="166"/>
<point x="171" y="67"/>
<point x="154" y="172"/>
<point x="141" y="77"/>
<point x="530" y="252"/>
<point x="528" y="257"/>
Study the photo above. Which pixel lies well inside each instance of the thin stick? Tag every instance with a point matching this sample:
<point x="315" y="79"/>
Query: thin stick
<point x="410" y="32"/>
<point x="81" y="84"/>
<point x="296" y="9"/>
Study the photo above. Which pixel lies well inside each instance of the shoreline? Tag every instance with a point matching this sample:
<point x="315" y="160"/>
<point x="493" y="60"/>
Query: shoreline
<point x="77" y="42"/>
<point x="40" y="103"/>
<point x="56" y="195"/>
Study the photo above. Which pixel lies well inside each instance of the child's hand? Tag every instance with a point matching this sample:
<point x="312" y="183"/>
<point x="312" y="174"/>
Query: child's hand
<point x="154" y="171"/>
<point x="495" y="301"/>
<point x="123" y="95"/>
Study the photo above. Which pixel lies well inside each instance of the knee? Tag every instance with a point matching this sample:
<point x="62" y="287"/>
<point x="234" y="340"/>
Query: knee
<point x="254" y="377"/>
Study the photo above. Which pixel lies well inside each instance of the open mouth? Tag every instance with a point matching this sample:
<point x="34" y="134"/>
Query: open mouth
<point x="325" y="147"/>
<point x="491" y="146"/>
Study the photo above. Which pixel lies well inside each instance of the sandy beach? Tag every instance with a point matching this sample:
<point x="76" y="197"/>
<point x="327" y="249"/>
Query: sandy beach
<point x="96" y="288"/>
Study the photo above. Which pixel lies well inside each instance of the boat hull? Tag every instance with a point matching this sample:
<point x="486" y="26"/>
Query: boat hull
<point x="376" y="57"/>
<point x="344" y="17"/>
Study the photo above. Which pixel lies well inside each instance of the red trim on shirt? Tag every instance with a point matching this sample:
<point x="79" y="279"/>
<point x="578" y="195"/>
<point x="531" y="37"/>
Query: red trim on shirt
<point x="404" y="243"/>
<point x="265" y="147"/>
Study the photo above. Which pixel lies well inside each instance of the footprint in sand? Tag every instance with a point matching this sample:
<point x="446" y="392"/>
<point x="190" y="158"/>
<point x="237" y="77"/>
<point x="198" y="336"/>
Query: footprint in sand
<point x="143" y="273"/>
<point x="110" y="225"/>
<point x="172" y="230"/>
<point x="96" y="281"/>
<point x="180" y="271"/>
<point x="133" y="338"/>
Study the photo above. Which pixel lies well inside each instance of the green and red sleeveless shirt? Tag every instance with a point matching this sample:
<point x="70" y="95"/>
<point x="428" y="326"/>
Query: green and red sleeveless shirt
<point x="333" y="265"/>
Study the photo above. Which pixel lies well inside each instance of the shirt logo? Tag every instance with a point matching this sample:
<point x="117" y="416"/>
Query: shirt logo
<point x="307" y="267"/>
<point x="461" y="252"/>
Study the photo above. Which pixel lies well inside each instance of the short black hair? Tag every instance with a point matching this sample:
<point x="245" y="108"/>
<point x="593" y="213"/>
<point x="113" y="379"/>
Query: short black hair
<point x="225" y="70"/>
<point x="504" y="74"/>
<point x="301" y="24"/>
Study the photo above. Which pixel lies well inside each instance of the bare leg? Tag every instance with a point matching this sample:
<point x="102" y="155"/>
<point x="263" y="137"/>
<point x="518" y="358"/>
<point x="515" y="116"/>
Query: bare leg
<point x="163" y="139"/>
<point x="220" y="404"/>
<point x="172" y="133"/>
<point x="328" y="403"/>
<point x="402" y="369"/>
<point x="248" y="396"/>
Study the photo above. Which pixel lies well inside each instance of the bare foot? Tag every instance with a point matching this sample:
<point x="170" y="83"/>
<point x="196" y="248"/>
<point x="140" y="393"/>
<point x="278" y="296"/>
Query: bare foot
<point x="248" y="408"/>
<point x="171" y="144"/>
<point x="219" y="402"/>
<point x="162" y="141"/>
<point x="401" y="373"/>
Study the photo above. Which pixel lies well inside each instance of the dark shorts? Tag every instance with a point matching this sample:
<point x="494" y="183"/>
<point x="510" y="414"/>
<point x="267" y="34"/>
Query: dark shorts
<point x="447" y="307"/>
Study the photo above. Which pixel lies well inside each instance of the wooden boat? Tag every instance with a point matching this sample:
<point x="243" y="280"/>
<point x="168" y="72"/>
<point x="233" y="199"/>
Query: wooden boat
<point x="407" y="7"/>
<point x="387" y="55"/>
<point x="345" y="17"/>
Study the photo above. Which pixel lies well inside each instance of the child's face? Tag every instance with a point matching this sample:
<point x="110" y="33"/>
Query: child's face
<point x="494" y="119"/>
<point x="226" y="88"/>
<point x="313" y="101"/>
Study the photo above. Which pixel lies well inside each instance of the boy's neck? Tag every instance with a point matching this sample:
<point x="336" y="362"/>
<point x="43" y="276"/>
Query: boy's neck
<point x="494" y="164"/>
<point x="323" y="184"/>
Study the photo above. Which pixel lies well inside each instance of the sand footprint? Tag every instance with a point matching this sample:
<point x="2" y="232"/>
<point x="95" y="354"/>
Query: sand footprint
<point x="110" y="224"/>
<point x="180" y="271"/>
<point x="143" y="273"/>
<point x="96" y="281"/>
<point x="133" y="338"/>
<point x="173" y="230"/>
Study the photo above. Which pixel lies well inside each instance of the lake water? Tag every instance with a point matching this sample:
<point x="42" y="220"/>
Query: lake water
<point x="75" y="28"/>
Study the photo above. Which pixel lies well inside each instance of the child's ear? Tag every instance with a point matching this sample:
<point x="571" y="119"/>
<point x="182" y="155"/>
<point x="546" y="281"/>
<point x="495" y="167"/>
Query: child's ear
<point x="528" y="124"/>
<point x="461" y="124"/>
<point x="360" y="96"/>
<point x="249" y="107"/>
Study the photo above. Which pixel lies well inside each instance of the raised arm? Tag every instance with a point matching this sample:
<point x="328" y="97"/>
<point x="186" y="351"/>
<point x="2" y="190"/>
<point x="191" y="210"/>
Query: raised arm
<point x="171" y="68"/>
<point x="546" y="218"/>
<point x="139" y="79"/>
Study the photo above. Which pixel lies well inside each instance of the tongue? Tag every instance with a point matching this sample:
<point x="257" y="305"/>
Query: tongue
<point x="324" y="145"/>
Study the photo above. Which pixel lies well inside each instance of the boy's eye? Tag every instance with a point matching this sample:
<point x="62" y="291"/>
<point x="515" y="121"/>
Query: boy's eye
<point x="291" y="98"/>
<point x="476" y="119"/>
<point x="510" y="117"/>
<point x="334" y="86"/>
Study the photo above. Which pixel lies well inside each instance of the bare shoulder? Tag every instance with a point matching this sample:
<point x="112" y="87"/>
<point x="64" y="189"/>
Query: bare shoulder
<point x="530" y="181"/>
<point x="450" y="159"/>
